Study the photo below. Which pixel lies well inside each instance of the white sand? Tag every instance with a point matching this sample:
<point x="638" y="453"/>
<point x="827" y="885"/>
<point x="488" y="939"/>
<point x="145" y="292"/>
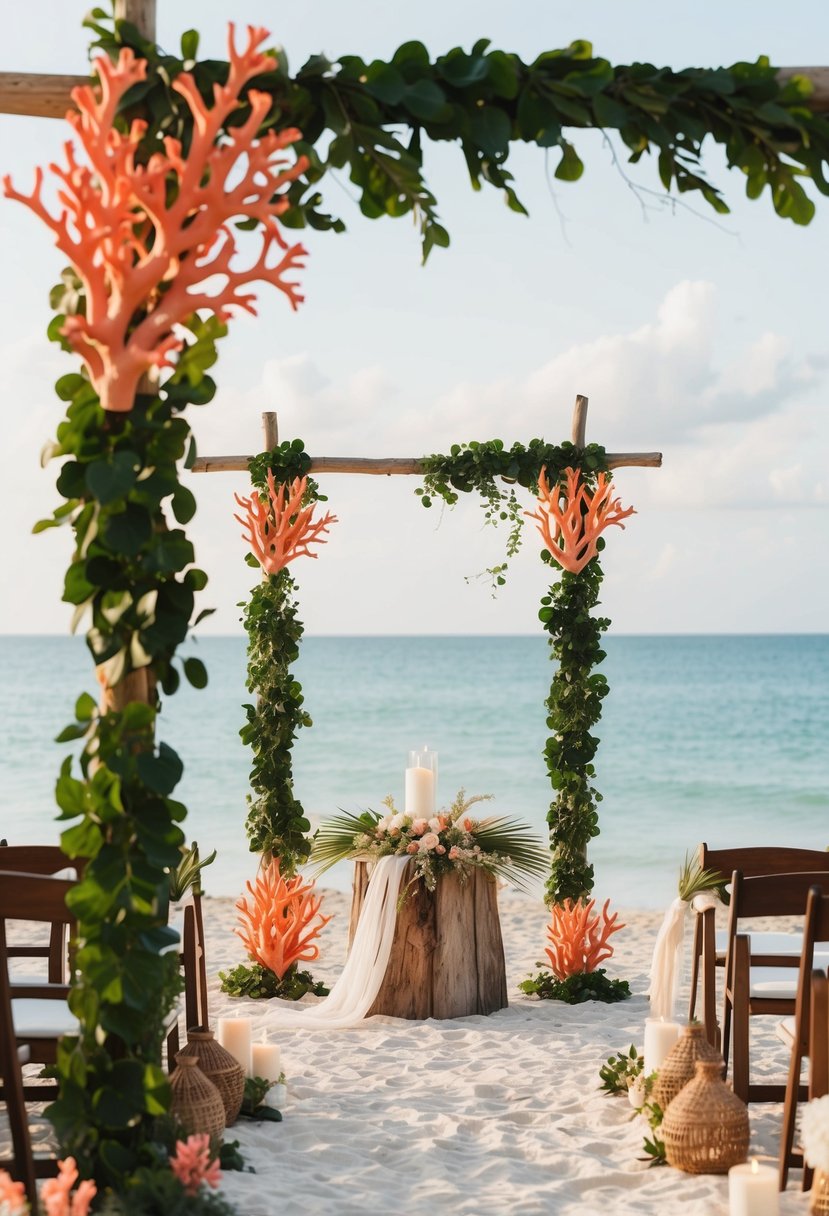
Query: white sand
<point x="480" y="1115"/>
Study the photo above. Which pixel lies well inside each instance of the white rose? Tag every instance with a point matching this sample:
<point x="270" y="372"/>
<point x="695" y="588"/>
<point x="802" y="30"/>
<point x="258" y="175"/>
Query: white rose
<point x="435" y="824"/>
<point x="430" y="841"/>
<point x="398" y="821"/>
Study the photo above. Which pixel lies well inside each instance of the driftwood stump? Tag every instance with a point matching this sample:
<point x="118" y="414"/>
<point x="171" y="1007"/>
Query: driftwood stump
<point x="447" y="957"/>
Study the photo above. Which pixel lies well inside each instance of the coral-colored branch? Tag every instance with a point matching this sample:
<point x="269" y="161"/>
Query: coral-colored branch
<point x="276" y="927"/>
<point x="278" y="528"/>
<point x="578" y="939"/>
<point x="146" y="239"/>
<point x="579" y="517"/>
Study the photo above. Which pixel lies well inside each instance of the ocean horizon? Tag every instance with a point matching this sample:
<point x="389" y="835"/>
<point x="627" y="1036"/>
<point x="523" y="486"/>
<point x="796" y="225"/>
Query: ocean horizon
<point x="717" y="737"/>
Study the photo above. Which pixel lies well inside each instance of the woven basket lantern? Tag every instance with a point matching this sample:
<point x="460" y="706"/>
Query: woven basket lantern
<point x="679" y="1065"/>
<point x="220" y="1067"/>
<point x="705" y="1128"/>
<point x="819" y="1194"/>
<point x="196" y="1102"/>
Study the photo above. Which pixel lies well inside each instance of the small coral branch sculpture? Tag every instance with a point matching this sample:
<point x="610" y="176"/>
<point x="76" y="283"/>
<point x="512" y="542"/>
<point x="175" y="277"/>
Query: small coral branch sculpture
<point x="579" y="939"/>
<point x="276" y="926"/>
<point x="278" y="528"/>
<point x="147" y="239"/>
<point x="579" y="517"/>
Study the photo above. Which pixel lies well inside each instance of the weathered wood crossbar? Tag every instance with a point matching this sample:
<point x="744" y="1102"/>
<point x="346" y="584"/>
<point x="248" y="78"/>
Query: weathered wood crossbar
<point x="47" y="96"/>
<point x="389" y="465"/>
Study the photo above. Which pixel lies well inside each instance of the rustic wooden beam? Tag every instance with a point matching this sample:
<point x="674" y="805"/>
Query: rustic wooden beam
<point x="579" y="428"/>
<point x="387" y="466"/>
<point x="43" y="96"/>
<point x="141" y="13"/>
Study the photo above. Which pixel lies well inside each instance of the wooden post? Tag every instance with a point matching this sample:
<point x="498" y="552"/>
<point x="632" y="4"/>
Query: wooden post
<point x="141" y="13"/>
<point x="580" y="422"/>
<point x="270" y="430"/>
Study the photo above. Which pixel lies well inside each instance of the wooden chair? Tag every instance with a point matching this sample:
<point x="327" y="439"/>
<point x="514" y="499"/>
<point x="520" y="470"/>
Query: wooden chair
<point x="48" y="860"/>
<point x="809" y="1030"/>
<point x="190" y="926"/>
<point x="769" y="986"/>
<point x="38" y="898"/>
<point x="708" y="951"/>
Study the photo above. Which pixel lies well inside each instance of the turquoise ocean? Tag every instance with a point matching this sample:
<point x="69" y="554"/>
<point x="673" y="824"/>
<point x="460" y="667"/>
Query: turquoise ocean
<point x="724" y="739"/>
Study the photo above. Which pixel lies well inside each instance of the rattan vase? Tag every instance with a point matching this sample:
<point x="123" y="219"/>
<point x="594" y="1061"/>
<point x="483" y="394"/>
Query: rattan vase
<point x="196" y="1102"/>
<point x="819" y="1194"/>
<point x="679" y="1065"/>
<point x="705" y="1128"/>
<point x="220" y="1067"/>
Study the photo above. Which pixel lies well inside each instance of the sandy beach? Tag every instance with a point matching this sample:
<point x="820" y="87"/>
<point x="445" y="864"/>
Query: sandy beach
<point x="480" y="1115"/>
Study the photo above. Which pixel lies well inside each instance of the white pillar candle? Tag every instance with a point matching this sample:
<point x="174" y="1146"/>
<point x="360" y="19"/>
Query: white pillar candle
<point x="265" y="1061"/>
<point x="753" y="1190"/>
<point x="420" y="793"/>
<point x="660" y="1037"/>
<point x="234" y="1035"/>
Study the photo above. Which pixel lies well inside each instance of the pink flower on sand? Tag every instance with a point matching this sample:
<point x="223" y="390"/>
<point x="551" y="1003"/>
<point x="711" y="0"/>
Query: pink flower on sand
<point x="419" y="826"/>
<point x="413" y="847"/>
<point x="12" y="1196"/>
<point x="430" y="841"/>
<point x="192" y="1166"/>
<point x="55" y="1196"/>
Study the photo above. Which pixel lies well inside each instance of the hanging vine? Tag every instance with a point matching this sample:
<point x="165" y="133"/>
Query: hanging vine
<point x="567" y="614"/>
<point x="276" y="822"/>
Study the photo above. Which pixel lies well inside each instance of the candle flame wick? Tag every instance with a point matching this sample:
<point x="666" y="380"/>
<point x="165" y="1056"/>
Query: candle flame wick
<point x="754" y="1166"/>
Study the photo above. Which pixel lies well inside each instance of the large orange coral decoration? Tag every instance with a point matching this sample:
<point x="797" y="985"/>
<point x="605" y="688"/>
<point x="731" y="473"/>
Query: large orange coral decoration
<point x="276" y="926"/>
<point x="146" y="239"/>
<point x="579" y="516"/>
<point x="278" y="528"/>
<point x="578" y="939"/>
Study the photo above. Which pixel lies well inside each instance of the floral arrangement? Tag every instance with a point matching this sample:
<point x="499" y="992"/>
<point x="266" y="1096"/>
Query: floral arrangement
<point x="193" y="1165"/>
<point x="278" y="527"/>
<point x="814" y="1133"/>
<point x="56" y="1195"/>
<point x="449" y="842"/>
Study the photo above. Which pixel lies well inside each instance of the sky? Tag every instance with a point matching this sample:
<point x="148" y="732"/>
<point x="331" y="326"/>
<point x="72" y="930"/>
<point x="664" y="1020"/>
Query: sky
<point x="699" y="336"/>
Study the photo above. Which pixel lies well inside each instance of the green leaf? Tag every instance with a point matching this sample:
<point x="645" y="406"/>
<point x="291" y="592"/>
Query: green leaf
<point x="196" y="672"/>
<point x="112" y="478"/>
<point x="491" y="130"/>
<point x="189" y="44"/>
<point x="128" y="531"/>
<point x="570" y="167"/>
<point x="424" y="99"/>
<point x="183" y="504"/>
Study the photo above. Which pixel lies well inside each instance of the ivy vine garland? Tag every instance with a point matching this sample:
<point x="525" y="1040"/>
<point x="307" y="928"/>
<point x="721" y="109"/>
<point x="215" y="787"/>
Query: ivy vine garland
<point x="276" y="822"/>
<point x="575" y="702"/>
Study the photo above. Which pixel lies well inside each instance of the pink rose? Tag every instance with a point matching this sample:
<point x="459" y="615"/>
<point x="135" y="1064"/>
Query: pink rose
<point x="430" y="841"/>
<point x="440" y="849"/>
<point x="419" y="826"/>
<point x="469" y="825"/>
<point x="454" y="853"/>
<point x="394" y="833"/>
<point x="412" y="848"/>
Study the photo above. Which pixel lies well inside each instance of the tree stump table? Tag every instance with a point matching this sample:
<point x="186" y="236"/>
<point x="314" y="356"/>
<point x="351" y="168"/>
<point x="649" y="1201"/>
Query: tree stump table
<point x="447" y="957"/>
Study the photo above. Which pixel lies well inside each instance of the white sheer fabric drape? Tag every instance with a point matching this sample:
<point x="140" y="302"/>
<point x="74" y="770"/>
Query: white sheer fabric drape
<point x="666" y="965"/>
<point x="353" y="994"/>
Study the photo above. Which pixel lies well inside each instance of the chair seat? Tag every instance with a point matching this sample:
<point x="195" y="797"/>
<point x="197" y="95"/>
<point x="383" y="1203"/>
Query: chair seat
<point x="773" y="983"/>
<point x="42" y="1019"/>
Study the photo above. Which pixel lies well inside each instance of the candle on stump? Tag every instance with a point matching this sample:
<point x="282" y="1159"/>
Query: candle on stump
<point x="421" y="783"/>
<point x="266" y="1061"/>
<point x="753" y="1190"/>
<point x="234" y="1034"/>
<point x="660" y="1037"/>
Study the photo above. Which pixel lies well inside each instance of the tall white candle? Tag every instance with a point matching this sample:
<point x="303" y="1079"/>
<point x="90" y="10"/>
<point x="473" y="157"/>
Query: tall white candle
<point x="752" y="1190"/>
<point x="420" y="793"/>
<point x="265" y="1061"/>
<point x="234" y="1035"/>
<point x="660" y="1037"/>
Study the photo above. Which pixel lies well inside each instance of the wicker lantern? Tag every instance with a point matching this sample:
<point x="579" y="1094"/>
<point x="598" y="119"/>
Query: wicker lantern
<point x="196" y="1102"/>
<point x="705" y="1128"/>
<point x="679" y="1065"/>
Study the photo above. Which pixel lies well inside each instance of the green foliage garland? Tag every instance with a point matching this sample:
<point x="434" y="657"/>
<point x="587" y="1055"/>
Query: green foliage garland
<point x="370" y="118"/>
<point x="276" y="822"/>
<point x="574" y="704"/>
<point x="577" y="988"/>
<point x="132" y="578"/>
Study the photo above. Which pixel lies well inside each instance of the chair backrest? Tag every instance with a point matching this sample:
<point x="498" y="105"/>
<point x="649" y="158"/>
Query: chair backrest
<point x="819" y="1035"/>
<point x="753" y="862"/>
<point x="45" y="859"/>
<point x="773" y="894"/>
<point x="33" y="896"/>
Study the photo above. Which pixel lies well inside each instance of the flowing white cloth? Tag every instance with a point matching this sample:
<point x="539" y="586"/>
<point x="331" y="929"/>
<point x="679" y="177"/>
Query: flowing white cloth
<point x="353" y="994"/>
<point x="666" y="964"/>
